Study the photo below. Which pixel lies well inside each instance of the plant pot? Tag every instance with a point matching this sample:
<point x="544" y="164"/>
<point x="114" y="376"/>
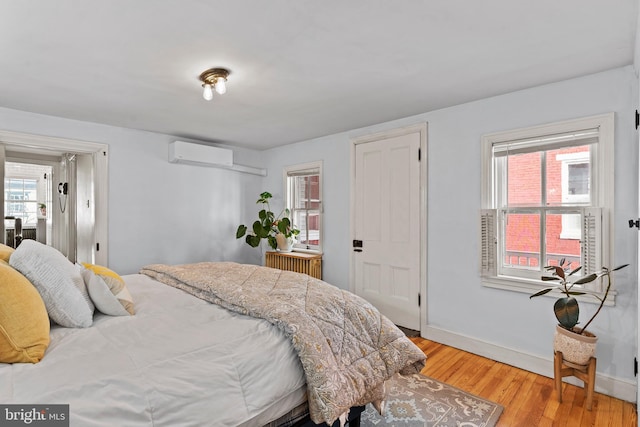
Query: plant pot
<point x="576" y="348"/>
<point x="285" y="244"/>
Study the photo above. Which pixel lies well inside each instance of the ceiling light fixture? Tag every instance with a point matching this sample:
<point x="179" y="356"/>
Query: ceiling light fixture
<point x="214" y="78"/>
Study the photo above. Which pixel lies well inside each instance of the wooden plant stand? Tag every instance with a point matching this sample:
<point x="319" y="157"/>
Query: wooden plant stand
<point x="586" y="373"/>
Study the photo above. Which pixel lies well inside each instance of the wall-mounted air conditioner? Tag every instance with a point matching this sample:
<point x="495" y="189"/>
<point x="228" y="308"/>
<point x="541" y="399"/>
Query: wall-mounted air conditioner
<point x="199" y="154"/>
<point x="207" y="155"/>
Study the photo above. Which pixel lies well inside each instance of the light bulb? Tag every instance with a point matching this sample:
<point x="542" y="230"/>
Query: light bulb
<point x="208" y="92"/>
<point x="221" y="86"/>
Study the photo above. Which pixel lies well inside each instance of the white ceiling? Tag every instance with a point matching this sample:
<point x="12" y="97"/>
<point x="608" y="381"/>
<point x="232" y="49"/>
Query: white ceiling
<point x="299" y="68"/>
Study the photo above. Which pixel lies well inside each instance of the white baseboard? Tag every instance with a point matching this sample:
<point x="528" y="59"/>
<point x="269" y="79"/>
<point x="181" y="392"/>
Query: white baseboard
<point x="611" y="386"/>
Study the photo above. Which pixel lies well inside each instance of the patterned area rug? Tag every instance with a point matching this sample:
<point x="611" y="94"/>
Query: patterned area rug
<point x="417" y="401"/>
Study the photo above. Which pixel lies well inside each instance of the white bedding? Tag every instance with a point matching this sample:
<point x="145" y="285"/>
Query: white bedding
<point x="178" y="361"/>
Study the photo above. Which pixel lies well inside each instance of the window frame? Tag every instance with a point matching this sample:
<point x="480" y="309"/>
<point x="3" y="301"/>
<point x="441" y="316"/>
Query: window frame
<point x="602" y="191"/>
<point x="288" y="173"/>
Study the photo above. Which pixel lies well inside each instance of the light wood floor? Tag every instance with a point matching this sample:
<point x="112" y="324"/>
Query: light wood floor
<point x="528" y="399"/>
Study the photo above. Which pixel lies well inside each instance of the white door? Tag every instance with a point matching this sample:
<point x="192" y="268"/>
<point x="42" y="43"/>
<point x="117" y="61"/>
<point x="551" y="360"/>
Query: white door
<point x="387" y="226"/>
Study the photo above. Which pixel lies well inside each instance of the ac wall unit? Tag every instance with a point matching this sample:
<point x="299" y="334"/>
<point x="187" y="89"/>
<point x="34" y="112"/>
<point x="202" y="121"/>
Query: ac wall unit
<point x="207" y="155"/>
<point x="198" y="154"/>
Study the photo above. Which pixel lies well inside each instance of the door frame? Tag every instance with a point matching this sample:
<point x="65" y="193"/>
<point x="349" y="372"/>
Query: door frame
<point x="420" y="128"/>
<point x="32" y="143"/>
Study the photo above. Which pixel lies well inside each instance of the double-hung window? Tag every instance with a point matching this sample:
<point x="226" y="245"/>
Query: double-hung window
<point x="547" y="195"/>
<point x="20" y="199"/>
<point x="304" y="200"/>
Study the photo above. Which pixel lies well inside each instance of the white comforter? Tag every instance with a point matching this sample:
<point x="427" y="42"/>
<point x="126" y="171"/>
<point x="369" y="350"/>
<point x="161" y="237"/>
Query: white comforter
<point x="179" y="361"/>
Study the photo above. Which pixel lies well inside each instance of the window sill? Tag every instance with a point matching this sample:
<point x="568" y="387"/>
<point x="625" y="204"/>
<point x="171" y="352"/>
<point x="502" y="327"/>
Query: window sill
<point x="532" y="286"/>
<point x="307" y="251"/>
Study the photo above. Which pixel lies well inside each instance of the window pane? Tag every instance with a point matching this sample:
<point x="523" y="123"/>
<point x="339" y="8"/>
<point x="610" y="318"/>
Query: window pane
<point x="524" y="186"/>
<point x="569" y="176"/>
<point x="306" y="208"/>
<point x="300" y="196"/>
<point x="559" y="247"/>
<point x="571" y="226"/>
<point x="299" y="219"/>
<point x="578" y="179"/>
<point x="522" y="240"/>
<point x="307" y="192"/>
<point x="314" y="192"/>
<point x="308" y="224"/>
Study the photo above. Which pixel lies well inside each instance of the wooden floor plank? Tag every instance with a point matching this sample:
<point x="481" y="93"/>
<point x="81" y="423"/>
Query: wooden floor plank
<point x="540" y="394"/>
<point x="528" y="399"/>
<point x="617" y="409"/>
<point x="603" y="410"/>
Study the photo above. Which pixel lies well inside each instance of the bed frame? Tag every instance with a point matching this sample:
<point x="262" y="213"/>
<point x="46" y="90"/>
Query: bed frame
<point x="352" y="421"/>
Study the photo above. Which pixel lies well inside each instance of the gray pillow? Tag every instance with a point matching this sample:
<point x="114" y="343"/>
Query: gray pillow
<point x="58" y="281"/>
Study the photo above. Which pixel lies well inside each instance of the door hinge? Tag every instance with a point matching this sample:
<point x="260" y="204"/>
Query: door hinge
<point x="637" y="119"/>
<point x="635" y="366"/>
<point x="97" y="247"/>
<point x="419" y="154"/>
<point x="419" y="300"/>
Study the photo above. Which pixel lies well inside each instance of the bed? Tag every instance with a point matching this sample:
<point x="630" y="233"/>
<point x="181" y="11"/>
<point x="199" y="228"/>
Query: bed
<point x="179" y="360"/>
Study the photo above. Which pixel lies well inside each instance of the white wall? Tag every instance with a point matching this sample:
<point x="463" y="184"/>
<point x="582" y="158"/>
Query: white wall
<point x="459" y="309"/>
<point x="158" y="212"/>
<point x="510" y="319"/>
<point x="334" y="152"/>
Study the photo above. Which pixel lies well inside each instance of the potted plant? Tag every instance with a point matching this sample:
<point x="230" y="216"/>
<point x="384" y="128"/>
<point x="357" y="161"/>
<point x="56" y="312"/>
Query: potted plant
<point x="43" y="209"/>
<point x="576" y="344"/>
<point x="277" y="230"/>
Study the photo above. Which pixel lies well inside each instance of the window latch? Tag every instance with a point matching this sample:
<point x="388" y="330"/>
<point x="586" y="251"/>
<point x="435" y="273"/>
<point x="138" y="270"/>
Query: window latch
<point x="634" y="223"/>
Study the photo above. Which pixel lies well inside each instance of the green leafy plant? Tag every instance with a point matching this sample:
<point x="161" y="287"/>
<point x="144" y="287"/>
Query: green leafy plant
<point x="567" y="309"/>
<point x="267" y="226"/>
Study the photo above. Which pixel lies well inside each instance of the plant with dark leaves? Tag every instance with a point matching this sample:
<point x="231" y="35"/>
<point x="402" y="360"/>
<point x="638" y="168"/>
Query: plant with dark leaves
<point x="566" y="308"/>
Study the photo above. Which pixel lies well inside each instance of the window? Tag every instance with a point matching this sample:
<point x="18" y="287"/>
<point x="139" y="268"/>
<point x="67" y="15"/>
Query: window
<point x="304" y="200"/>
<point x="20" y="199"/>
<point x="547" y="192"/>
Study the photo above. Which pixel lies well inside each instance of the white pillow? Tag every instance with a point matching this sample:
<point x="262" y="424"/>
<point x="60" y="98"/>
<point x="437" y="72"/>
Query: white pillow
<point x="58" y="281"/>
<point x="107" y="290"/>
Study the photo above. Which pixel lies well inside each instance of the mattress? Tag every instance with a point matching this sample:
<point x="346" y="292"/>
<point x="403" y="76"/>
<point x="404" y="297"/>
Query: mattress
<point x="178" y="361"/>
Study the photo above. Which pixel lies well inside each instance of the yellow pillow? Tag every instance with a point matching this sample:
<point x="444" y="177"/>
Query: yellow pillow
<point x="24" y="323"/>
<point x="107" y="290"/>
<point x="5" y="252"/>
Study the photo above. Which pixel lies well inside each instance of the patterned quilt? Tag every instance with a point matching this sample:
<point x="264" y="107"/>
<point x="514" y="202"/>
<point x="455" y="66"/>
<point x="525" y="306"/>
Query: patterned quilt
<point x="346" y="347"/>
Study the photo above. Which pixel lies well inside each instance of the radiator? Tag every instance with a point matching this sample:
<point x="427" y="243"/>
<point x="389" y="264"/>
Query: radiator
<point x="310" y="264"/>
<point x="27" y="233"/>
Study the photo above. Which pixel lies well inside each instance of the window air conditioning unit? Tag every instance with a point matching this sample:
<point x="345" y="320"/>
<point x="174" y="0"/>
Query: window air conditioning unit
<point x="201" y="155"/>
